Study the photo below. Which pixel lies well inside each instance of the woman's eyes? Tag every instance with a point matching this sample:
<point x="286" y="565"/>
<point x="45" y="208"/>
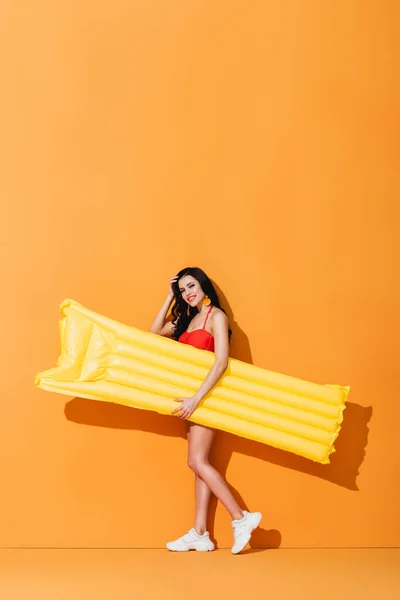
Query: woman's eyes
<point x="189" y="286"/>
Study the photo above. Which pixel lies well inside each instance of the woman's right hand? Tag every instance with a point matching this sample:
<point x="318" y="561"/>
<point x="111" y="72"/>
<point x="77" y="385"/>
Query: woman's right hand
<point x="170" y="289"/>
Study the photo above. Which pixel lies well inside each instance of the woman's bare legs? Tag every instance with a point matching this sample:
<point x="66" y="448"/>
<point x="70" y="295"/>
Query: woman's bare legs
<point x="202" y="495"/>
<point x="202" y="499"/>
<point x="207" y="479"/>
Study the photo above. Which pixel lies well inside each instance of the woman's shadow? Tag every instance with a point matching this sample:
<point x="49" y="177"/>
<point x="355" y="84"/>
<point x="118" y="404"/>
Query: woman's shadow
<point x="343" y="469"/>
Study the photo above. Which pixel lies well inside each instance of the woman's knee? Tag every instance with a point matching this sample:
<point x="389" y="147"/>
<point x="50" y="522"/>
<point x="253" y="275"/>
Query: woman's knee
<point x="196" y="463"/>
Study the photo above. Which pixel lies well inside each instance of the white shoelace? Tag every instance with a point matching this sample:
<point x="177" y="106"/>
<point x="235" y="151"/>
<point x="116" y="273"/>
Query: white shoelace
<point x="192" y="533"/>
<point x="238" y="529"/>
<point x="188" y="535"/>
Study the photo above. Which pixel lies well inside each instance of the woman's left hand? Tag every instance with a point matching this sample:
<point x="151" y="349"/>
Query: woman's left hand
<point x="187" y="407"/>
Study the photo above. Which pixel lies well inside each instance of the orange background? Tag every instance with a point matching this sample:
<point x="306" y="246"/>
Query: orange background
<point x="254" y="139"/>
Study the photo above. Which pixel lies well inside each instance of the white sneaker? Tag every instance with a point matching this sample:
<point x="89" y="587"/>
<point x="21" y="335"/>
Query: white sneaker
<point x="243" y="528"/>
<point x="192" y="541"/>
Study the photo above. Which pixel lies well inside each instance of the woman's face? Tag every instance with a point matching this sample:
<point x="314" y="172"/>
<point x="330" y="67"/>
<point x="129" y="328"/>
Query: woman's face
<point x="190" y="290"/>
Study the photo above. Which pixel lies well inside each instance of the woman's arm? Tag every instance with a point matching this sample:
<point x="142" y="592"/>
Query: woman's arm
<point x="221" y="340"/>
<point x="159" y="325"/>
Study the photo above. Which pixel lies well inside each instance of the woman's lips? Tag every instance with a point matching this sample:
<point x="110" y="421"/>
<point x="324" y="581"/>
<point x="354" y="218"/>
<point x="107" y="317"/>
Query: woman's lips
<point x="191" y="298"/>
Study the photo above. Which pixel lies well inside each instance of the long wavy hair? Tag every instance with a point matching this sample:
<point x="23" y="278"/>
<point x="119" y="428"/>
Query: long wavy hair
<point x="181" y="311"/>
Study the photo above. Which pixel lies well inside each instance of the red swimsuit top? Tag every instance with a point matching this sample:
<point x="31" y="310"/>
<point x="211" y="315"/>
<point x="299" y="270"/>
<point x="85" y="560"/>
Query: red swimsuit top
<point x="199" y="338"/>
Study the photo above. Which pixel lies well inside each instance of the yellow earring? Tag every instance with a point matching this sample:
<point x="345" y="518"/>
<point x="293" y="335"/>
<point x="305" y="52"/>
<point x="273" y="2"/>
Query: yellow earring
<point x="206" y="301"/>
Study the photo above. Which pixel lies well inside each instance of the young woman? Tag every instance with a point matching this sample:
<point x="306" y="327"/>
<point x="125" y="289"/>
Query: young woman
<point x="199" y="320"/>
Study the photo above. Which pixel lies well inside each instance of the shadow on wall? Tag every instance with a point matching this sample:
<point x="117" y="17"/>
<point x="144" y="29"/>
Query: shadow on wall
<point x="343" y="469"/>
<point x="239" y="346"/>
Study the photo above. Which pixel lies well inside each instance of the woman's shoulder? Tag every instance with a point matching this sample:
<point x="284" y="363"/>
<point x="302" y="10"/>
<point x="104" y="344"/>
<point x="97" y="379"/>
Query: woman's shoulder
<point x="218" y="314"/>
<point x="215" y="310"/>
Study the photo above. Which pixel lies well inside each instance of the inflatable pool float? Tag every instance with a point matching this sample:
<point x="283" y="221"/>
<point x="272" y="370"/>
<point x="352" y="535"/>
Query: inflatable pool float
<point x="102" y="359"/>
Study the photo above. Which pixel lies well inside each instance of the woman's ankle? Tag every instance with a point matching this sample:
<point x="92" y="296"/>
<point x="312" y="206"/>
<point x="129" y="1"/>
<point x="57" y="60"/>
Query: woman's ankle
<point x="200" y="530"/>
<point x="238" y="515"/>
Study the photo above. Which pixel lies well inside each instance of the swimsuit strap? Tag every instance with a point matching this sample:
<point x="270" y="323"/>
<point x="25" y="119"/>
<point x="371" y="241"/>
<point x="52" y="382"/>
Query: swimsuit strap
<point x="209" y="310"/>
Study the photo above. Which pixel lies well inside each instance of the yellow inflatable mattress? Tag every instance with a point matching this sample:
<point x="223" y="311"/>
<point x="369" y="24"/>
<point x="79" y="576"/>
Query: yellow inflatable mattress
<point x="104" y="360"/>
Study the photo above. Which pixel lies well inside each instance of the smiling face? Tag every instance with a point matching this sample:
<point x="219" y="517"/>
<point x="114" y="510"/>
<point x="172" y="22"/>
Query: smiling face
<point x="190" y="290"/>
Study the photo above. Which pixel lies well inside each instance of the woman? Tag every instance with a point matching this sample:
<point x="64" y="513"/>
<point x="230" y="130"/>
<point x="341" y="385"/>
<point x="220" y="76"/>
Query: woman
<point x="199" y="320"/>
